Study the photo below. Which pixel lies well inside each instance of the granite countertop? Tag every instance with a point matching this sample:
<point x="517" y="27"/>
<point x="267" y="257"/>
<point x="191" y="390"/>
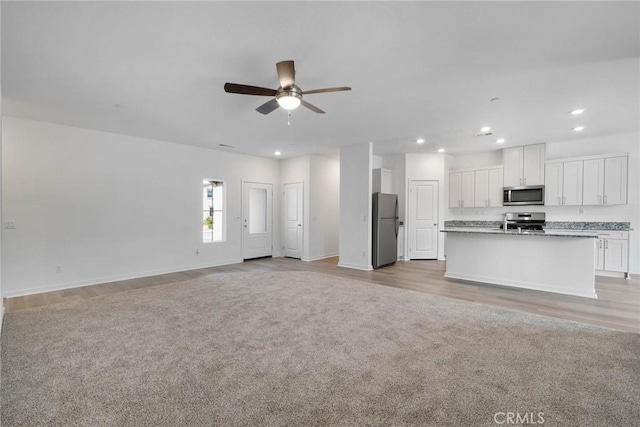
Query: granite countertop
<point x="546" y="233"/>
<point x="549" y="225"/>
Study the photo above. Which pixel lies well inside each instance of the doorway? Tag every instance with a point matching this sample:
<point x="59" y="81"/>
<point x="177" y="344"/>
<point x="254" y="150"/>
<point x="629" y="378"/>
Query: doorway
<point x="257" y="221"/>
<point x="423" y="220"/>
<point x="292" y="209"/>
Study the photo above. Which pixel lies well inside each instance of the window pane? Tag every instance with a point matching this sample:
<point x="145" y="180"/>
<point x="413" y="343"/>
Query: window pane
<point x="212" y="210"/>
<point x="217" y="226"/>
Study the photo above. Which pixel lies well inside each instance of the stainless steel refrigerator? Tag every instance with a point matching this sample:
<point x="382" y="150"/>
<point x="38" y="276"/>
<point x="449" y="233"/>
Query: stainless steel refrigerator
<point x="386" y="223"/>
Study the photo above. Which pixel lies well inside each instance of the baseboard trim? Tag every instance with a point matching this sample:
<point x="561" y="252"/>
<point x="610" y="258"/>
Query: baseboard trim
<point x="108" y="279"/>
<point x="355" y="267"/>
<point x="318" y="258"/>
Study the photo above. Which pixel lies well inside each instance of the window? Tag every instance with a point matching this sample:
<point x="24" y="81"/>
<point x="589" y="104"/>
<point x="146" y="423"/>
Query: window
<point x="212" y="211"/>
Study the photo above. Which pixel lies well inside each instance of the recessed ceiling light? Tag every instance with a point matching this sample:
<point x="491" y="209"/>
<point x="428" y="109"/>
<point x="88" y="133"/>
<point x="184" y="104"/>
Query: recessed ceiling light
<point x="440" y="150"/>
<point x="577" y="111"/>
<point x="277" y="153"/>
<point x="578" y="128"/>
<point x="420" y="140"/>
<point x="500" y="141"/>
<point x="485" y="129"/>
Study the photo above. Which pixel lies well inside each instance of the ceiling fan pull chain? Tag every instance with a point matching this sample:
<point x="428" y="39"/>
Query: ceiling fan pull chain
<point x="289" y="118"/>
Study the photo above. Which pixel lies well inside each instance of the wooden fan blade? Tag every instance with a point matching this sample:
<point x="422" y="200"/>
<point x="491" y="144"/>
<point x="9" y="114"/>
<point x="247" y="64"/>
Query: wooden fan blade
<point x="311" y="107"/>
<point x="268" y="106"/>
<point x="286" y="73"/>
<point x="249" y="90"/>
<point x="328" y="89"/>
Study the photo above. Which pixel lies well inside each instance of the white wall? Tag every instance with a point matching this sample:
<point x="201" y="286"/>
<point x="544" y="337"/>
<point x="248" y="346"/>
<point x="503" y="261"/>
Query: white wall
<point x="324" y="207"/>
<point x="106" y="207"/>
<point x="623" y="143"/>
<point x="356" y="163"/>
<point x="1" y="299"/>
<point x="432" y="167"/>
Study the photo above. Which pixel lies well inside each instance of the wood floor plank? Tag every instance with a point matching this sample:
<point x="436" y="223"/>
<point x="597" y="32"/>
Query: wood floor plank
<point x="617" y="306"/>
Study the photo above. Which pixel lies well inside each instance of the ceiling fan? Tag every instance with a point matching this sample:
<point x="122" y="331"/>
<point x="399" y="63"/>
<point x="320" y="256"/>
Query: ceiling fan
<point x="287" y="96"/>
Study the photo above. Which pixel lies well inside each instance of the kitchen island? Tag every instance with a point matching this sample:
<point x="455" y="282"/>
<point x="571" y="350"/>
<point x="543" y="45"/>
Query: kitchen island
<point x="549" y="261"/>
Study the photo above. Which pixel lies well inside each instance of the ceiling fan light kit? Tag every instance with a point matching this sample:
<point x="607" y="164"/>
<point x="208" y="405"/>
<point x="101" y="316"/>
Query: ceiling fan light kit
<point x="288" y="95"/>
<point x="290" y="98"/>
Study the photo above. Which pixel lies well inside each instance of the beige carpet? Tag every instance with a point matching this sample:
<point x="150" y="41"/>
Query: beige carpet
<point x="296" y="348"/>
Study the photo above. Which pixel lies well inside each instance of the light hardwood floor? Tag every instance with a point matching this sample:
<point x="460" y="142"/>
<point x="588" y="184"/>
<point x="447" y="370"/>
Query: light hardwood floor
<point x="617" y="306"/>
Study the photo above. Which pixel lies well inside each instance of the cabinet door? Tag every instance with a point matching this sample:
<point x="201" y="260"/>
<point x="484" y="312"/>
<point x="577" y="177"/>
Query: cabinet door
<point x="481" y="193"/>
<point x="593" y="182"/>
<point x="455" y="186"/>
<point x="512" y="163"/>
<point x="468" y="188"/>
<point x="495" y="187"/>
<point x="553" y="184"/>
<point x="616" y="255"/>
<point x="615" y="181"/>
<point x="386" y="181"/>
<point x="572" y="183"/>
<point x="599" y="252"/>
<point x="533" y="164"/>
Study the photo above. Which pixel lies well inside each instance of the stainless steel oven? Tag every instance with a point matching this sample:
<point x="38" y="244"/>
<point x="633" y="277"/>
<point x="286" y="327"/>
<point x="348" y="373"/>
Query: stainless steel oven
<point x="529" y="195"/>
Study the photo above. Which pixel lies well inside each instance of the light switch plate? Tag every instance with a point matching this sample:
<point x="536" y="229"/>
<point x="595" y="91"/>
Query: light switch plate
<point x="9" y="225"/>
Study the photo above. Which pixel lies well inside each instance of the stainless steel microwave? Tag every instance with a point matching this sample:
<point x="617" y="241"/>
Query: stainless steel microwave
<point x="529" y="195"/>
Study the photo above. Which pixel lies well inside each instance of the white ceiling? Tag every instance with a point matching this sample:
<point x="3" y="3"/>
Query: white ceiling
<point x="417" y="69"/>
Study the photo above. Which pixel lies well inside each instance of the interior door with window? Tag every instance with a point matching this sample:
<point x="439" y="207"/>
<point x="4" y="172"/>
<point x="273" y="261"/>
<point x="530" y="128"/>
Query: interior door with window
<point x="257" y="221"/>
<point x="292" y="200"/>
<point x="423" y="220"/>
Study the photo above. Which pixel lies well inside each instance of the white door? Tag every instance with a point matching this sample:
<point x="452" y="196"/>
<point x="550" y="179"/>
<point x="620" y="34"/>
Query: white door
<point x="257" y="221"/>
<point x="423" y="220"/>
<point x="292" y="201"/>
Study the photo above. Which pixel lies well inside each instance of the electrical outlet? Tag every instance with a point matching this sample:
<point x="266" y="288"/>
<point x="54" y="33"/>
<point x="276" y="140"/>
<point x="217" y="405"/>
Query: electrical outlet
<point x="59" y="269"/>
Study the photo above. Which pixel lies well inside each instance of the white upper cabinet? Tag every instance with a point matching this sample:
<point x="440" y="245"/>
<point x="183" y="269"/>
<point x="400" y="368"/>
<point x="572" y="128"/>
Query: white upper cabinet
<point x="524" y="165"/>
<point x="495" y="186"/>
<point x="605" y="181"/>
<point x="512" y="163"/>
<point x="572" y="183"/>
<point x="455" y="189"/>
<point x="481" y="196"/>
<point x="615" y="181"/>
<point x="533" y="164"/>
<point x="382" y="181"/>
<point x="553" y="184"/>
<point x="461" y="189"/>
<point x="488" y="187"/>
<point x="593" y="182"/>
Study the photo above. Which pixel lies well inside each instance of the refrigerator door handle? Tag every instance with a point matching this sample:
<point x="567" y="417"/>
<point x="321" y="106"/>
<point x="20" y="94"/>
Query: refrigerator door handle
<point x="397" y="218"/>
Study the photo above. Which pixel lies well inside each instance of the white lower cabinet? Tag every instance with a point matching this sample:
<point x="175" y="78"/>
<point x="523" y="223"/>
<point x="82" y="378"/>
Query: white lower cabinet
<point x="612" y="252"/>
